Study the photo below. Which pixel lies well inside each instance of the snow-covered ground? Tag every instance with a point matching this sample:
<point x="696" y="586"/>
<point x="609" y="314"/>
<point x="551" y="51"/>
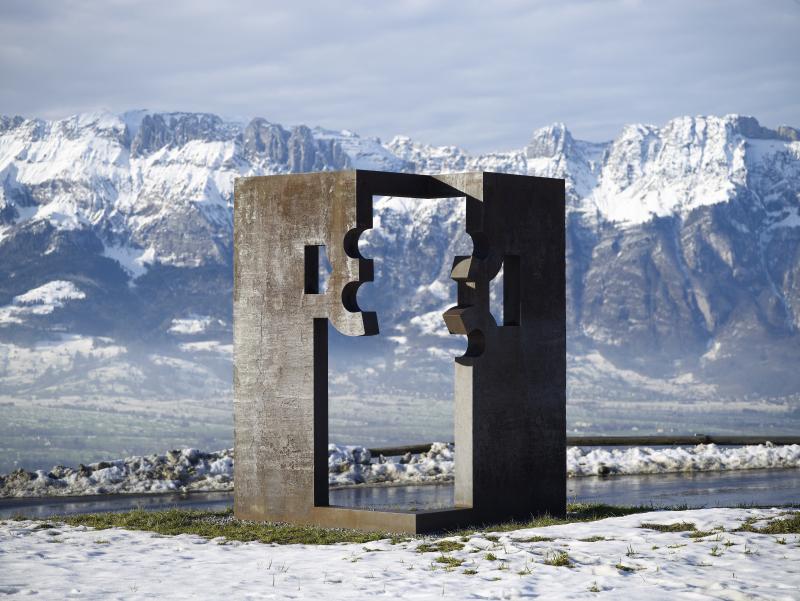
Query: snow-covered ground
<point x="615" y="556"/>
<point x="190" y="469"/>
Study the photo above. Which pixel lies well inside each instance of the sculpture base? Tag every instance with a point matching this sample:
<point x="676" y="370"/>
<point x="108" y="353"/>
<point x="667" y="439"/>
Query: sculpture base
<point x="396" y="521"/>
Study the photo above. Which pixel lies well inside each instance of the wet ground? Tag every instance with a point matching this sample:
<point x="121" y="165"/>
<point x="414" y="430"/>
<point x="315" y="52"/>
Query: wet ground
<point x="700" y="489"/>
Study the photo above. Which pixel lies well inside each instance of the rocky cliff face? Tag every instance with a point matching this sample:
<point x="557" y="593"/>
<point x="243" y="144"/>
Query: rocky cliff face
<point x="683" y="242"/>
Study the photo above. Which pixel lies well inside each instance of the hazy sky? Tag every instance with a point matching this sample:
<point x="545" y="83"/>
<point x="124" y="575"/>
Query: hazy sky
<point x="481" y="75"/>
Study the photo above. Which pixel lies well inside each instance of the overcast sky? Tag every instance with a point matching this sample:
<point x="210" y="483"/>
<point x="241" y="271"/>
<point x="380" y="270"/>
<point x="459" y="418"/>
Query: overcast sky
<point x="481" y="75"/>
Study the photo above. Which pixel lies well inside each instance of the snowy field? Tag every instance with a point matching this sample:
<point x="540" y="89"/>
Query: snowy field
<point x="616" y="557"/>
<point x="193" y="470"/>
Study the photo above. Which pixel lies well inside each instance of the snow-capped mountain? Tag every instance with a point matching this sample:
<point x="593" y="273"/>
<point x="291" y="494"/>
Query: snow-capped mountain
<point x="116" y="234"/>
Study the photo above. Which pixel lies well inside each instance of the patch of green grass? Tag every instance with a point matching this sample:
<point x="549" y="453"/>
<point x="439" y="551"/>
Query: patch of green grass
<point x="716" y="551"/>
<point x="623" y="568"/>
<point x="592" y="539"/>
<point x="576" y="512"/>
<point x="441" y="546"/>
<point x="492" y="537"/>
<point x="779" y="525"/>
<point x="470" y="572"/>
<point x="594" y="588"/>
<point x="559" y="559"/>
<point x="534" y="539"/>
<point x="679" y="527"/>
<point x="213" y="524"/>
<point x="697" y="534"/>
<point x="747" y="525"/>
<point x="599" y="511"/>
<point x="450" y="562"/>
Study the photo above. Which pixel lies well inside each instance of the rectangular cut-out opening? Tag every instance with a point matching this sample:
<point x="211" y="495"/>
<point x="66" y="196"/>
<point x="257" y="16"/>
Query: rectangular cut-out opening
<point x="511" y="291"/>
<point x="317" y="268"/>
<point x="496" y="295"/>
<point x="320" y="376"/>
<point x="397" y="388"/>
<point x="504" y="293"/>
<point x="311" y="268"/>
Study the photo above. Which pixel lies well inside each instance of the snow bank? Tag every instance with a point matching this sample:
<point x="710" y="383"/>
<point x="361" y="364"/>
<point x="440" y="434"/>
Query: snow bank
<point x="355" y="465"/>
<point x="190" y="469"/>
<point x="179" y="470"/>
<point x="615" y="556"/>
<point x="592" y="461"/>
<point x="438" y="464"/>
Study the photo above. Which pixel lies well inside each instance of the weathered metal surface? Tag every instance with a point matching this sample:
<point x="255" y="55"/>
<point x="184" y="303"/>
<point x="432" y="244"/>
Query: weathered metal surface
<point x="510" y="423"/>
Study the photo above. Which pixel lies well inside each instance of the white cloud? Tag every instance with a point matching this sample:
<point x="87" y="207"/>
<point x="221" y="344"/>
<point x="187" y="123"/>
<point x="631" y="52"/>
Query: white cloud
<point x="478" y="74"/>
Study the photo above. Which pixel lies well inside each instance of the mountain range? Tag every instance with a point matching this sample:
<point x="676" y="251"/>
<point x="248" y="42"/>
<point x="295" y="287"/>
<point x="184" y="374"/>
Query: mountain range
<point x="116" y="257"/>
